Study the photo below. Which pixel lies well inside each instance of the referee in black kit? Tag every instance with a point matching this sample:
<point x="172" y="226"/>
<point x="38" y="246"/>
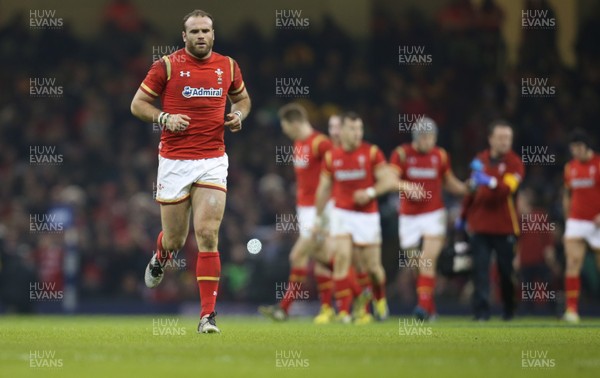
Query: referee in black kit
<point x="491" y="218"/>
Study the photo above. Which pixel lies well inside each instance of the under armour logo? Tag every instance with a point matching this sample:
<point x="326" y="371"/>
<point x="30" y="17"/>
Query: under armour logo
<point x="215" y="293"/>
<point x="184" y="73"/>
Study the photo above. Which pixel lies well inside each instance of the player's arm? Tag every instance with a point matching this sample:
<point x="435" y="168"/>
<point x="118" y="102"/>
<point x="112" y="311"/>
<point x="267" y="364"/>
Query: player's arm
<point x="453" y="185"/>
<point x="240" y="107"/>
<point x="402" y="185"/>
<point x="142" y="106"/>
<point x="566" y="201"/>
<point x="322" y="195"/>
<point x="385" y="181"/>
<point x="323" y="192"/>
<point x="397" y="166"/>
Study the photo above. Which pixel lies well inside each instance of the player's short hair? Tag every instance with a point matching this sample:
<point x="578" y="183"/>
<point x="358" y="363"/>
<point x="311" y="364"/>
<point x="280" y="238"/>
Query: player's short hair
<point x="579" y="136"/>
<point x="351" y="116"/>
<point x="424" y="125"/>
<point x="498" y="123"/>
<point x="196" y="13"/>
<point x="293" y="112"/>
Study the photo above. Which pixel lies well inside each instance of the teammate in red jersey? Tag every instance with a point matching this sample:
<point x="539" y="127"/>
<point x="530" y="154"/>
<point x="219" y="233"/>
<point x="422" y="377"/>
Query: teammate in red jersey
<point x="424" y="170"/>
<point x="581" y="202"/>
<point x="193" y="85"/>
<point x="309" y="148"/>
<point x="353" y="175"/>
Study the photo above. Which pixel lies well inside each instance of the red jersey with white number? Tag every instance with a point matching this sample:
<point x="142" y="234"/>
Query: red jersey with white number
<point x="582" y="178"/>
<point x="197" y="88"/>
<point x="351" y="171"/>
<point x="425" y="172"/>
<point x="308" y="158"/>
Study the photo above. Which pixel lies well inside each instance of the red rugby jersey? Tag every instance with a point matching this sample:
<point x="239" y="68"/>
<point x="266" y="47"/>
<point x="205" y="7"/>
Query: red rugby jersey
<point x="197" y="88"/>
<point x="424" y="171"/>
<point x="582" y="178"/>
<point x="308" y="158"/>
<point x="350" y="171"/>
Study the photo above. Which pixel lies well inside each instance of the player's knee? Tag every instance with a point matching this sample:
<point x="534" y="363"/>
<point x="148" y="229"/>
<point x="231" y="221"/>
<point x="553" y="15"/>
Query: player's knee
<point x="173" y="242"/>
<point x="375" y="269"/>
<point x="573" y="263"/>
<point x="342" y="258"/>
<point x="207" y="237"/>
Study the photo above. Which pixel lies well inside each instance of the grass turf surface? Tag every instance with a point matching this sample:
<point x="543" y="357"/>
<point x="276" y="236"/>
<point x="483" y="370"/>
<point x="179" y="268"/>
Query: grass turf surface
<point x="134" y="346"/>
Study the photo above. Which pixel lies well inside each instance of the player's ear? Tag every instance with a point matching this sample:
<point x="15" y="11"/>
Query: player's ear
<point x="183" y="36"/>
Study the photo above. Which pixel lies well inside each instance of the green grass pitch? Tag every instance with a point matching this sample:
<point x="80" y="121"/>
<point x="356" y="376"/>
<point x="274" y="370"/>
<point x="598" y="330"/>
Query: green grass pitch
<point x="168" y="346"/>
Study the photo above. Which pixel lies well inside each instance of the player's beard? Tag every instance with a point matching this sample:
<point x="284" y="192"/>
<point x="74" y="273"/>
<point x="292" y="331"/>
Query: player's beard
<point x="200" y="52"/>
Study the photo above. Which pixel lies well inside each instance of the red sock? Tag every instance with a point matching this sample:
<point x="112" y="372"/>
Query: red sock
<point x="363" y="280"/>
<point x="162" y="255"/>
<point x="378" y="290"/>
<point x="343" y="294"/>
<point x="325" y="288"/>
<point x="208" y="273"/>
<point x="425" y="287"/>
<point x="297" y="276"/>
<point x="572" y="287"/>
<point x="353" y="282"/>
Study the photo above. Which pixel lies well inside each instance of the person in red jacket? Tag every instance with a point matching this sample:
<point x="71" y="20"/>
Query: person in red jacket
<point x="581" y="202"/>
<point x="491" y="218"/>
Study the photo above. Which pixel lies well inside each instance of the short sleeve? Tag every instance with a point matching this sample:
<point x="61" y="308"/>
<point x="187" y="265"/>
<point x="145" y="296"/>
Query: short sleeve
<point x="397" y="159"/>
<point x="445" y="166"/>
<point x="156" y="79"/>
<point x="321" y="145"/>
<point x="566" y="177"/>
<point x="237" y="81"/>
<point x="376" y="156"/>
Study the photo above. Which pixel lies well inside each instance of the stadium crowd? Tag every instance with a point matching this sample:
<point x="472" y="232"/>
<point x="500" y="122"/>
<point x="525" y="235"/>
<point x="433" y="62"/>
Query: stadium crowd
<point x="104" y="160"/>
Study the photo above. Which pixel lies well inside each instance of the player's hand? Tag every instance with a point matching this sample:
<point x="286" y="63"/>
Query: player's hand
<point x="361" y="197"/>
<point x="597" y="220"/>
<point x="234" y="122"/>
<point x="177" y="122"/>
<point x="479" y="178"/>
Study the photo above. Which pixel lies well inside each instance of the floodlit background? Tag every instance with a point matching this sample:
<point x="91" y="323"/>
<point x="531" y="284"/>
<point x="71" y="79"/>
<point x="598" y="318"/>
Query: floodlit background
<point x="78" y="222"/>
